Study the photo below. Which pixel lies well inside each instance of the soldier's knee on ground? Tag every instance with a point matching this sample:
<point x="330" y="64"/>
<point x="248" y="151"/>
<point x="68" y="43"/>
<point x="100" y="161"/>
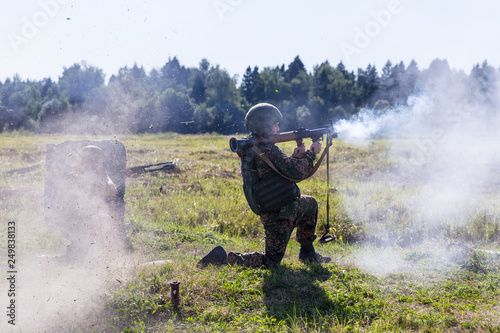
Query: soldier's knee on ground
<point x="234" y="258"/>
<point x="255" y="259"/>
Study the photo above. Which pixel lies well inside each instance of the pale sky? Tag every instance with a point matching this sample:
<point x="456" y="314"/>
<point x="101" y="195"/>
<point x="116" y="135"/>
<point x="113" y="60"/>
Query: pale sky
<point x="38" y="38"/>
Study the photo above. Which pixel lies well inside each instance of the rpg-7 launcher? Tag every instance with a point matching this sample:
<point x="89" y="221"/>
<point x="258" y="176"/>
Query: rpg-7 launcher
<point x="297" y="135"/>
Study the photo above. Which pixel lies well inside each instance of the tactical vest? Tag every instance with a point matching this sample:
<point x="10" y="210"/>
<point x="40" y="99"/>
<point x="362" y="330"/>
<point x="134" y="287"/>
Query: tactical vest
<point x="268" y="194"/>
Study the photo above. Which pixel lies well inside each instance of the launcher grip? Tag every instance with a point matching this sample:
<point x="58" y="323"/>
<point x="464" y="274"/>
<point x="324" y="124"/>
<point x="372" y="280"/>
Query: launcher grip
<point x="236" y="145"/>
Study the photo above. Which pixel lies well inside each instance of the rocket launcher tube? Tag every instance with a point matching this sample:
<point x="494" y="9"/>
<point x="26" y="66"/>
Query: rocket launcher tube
<point x="296" y="135"/>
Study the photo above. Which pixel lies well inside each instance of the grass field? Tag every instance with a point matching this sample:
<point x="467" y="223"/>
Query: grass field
<point x="397" y="265"/>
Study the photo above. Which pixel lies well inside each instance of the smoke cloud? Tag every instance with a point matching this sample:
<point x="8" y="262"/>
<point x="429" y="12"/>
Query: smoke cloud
<point x="444" y="173"/>
<point x="444" y="154"/>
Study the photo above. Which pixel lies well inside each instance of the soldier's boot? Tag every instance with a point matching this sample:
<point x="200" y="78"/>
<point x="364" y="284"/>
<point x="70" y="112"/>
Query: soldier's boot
<point x="307" y="254"/>
<point x="217" y="256"/>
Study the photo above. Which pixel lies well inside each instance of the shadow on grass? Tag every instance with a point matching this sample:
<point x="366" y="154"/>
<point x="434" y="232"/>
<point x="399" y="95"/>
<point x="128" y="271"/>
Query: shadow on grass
<point x="298" y="297"/>
<point x="292" y="293"/>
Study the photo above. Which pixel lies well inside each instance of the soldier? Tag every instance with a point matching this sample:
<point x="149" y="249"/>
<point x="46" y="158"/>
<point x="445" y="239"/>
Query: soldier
<point x="89" y="212"/>
<point x="299" y="211"/>
<point x="94" y="174"/>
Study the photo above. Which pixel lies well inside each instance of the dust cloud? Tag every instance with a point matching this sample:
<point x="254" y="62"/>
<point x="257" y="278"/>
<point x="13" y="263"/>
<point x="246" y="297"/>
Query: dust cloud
<point x="72" y="257"/>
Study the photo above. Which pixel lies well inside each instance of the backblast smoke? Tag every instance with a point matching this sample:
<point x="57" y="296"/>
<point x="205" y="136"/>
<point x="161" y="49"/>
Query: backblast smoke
<point x="445" y="166"/>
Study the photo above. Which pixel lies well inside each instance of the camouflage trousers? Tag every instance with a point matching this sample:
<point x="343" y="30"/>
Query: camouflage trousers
<point x="302" y="213"/>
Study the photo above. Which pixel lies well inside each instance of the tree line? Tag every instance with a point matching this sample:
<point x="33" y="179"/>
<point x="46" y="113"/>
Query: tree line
<point x="208" y="99"/>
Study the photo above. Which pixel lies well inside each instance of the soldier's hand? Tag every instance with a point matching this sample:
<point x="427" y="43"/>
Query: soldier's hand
<point x="299" y="151"/>
<point x="315" y="146"/>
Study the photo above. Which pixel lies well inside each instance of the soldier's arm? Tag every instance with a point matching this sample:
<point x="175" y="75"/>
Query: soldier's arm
<point x="297" y="168"/>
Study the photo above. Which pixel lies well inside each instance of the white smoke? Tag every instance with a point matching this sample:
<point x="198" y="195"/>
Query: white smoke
<point x="391" y="122"/>
<point x="445" y="166"/>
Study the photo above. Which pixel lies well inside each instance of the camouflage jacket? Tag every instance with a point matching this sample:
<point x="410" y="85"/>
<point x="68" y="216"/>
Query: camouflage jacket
<point x="254" y="169"/>
<point x="292" y="167"/>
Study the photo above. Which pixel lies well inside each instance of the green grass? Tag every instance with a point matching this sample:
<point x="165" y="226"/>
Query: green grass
<point x="391" y="271"/>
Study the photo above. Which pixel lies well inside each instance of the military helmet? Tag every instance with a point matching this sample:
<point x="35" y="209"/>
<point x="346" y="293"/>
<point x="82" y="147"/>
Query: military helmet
<point x="91" y="150"/>
<point x="261" y="118"/>
<point x="91" y="154"/>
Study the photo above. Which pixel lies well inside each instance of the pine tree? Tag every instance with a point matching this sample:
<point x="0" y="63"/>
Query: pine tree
<point x="247" y="85"/>
<point x="295" y="67"/>
<point x="258" y="87"/>
<point x="198" y="90"/>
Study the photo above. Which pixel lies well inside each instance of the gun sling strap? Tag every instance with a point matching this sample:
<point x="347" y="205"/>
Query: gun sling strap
<point x="271" y="165"/>
<point x="325" y="238"/>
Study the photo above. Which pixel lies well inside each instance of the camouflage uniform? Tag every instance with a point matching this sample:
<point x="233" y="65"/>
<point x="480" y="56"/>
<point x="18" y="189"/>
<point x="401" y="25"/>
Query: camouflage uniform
<point x="301" y="213"/>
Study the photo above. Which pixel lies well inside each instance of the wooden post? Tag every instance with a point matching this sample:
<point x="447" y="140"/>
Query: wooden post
<point x="174" y="293"/>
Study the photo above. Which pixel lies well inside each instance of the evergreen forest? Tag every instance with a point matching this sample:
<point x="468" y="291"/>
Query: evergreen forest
<point x="207" y="99"/>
